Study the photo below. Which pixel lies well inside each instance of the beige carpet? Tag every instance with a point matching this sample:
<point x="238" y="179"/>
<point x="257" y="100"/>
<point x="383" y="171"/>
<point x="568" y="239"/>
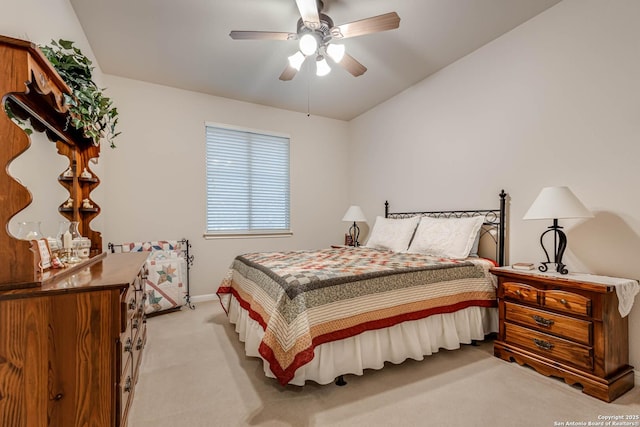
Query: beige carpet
<point x="194" y="373"/>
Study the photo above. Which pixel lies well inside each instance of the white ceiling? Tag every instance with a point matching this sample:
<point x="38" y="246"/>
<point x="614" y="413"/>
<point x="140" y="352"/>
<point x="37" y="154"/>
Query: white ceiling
<point x="186" y="44"/>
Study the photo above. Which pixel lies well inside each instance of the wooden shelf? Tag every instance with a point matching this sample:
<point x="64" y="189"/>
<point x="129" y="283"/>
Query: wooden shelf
<point x="80" y="179"/>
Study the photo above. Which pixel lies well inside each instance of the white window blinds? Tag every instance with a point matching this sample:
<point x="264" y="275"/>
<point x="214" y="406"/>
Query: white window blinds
<point x="247" y="182"/>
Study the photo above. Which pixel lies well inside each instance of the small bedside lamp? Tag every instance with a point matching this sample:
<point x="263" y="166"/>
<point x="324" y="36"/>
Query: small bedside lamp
<point x="556" y="203"/>
<point x="354" y="214"/>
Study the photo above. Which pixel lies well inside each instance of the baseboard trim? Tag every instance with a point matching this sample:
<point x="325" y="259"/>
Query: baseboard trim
<point x="208" y="297"/>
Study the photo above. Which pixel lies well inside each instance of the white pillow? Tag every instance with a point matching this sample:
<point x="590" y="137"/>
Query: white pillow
<point x="392" y="234"/>
<point x="476" y="244"/>
<point x="446" y="237"/>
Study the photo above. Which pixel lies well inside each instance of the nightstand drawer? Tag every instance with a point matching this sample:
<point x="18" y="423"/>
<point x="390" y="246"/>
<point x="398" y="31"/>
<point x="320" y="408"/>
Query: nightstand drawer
<point x="567" y="302"/>
<point x="520" y="292"/>
<point x="574" y="329"/>
<point x="550" y="346"/>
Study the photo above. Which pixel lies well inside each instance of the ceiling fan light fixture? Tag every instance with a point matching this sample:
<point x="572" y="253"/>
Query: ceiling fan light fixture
<point x="322" y="67"/>
<point x="308" y="44"/>
<point x="296" y="60"/>
<point x="336" y="52"/>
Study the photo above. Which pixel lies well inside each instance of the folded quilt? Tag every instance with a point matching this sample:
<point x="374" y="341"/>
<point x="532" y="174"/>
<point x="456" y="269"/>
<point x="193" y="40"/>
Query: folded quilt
<point x="165" y="285"/>
<point x="166" y="278"/>
<point x="305" y="298"/>
<point x="159" y="245"/>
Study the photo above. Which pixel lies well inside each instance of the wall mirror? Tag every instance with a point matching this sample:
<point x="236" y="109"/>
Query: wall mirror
<point x="38" y="169"/>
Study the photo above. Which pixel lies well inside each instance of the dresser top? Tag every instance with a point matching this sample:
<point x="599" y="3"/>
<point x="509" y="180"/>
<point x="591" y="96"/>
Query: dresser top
<point x="111" y="271"/>
<point x="625" y="289"/>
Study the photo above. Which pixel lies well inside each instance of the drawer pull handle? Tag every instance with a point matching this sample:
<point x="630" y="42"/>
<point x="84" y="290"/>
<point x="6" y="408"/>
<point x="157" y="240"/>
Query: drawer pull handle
<point x="563" y="301"/>
<point x="542" y="321"/>
<point x="545" y="345"/>
<point x="518" y="292"/>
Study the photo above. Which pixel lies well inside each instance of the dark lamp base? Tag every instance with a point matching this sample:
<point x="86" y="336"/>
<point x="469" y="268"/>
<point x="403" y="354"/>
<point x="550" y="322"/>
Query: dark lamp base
<point x="559" y="245"/>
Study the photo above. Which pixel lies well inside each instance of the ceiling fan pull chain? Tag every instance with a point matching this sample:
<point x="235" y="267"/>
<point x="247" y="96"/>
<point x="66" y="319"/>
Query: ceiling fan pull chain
<point x="308" y="93"/>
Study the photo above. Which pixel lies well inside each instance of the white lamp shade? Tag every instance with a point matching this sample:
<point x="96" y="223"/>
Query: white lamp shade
<point x="322" y="67"/>
<point x="555" y="203"/>
<point x="336" y="51"/>
<point x="296" y="60"/>
<point x="354" y="214"/>
<point x="308" y="44"/>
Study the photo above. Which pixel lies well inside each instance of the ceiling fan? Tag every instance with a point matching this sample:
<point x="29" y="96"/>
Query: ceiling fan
<point x="316" y="33"/>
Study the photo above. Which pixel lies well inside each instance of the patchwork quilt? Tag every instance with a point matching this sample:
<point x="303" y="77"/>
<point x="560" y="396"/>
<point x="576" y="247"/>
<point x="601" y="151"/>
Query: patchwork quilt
<point x="166" y="278"/>
<point x="303" y="299"/>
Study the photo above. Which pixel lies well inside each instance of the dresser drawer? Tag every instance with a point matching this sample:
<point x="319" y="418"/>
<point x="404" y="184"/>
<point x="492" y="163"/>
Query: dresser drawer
<point x="126" y="348"/>
<point x="128" y="304"/>
<point x="549" y="346"/>
<point x="574" y="329"/>
<point x="125" y="389"/>
<point x="567" y="302"/>
<point x="520" y="292"/>
<point x="139" y="344"/>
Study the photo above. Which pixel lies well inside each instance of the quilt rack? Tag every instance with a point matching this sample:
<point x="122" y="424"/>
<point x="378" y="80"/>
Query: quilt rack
<point x="180" y="247"/>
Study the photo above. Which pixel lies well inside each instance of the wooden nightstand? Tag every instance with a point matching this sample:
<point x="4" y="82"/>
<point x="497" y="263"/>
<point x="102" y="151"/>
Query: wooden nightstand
<point x="565" y="326"/>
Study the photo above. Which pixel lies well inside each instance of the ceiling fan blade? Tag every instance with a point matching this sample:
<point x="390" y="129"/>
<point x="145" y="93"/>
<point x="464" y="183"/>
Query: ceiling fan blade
<point x="309" y="13"/>
<point x="288" y="73"/>
<point x="261" y="35"/>
<point x="387" y="21"/>
<point x="350" y="64"/>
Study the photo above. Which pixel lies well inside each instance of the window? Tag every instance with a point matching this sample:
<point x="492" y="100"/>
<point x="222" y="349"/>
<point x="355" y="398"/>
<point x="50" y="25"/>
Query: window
<point x="247" y="182"/>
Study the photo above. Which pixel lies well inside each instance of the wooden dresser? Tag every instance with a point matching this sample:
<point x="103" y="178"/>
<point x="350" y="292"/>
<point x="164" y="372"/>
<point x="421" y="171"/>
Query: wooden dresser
<point x="565" y="328"/>
<point x="70" y="349"/>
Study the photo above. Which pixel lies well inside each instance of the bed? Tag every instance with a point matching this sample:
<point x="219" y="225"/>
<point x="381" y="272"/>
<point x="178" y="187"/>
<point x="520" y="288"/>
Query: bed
<point x="416" y="287"/>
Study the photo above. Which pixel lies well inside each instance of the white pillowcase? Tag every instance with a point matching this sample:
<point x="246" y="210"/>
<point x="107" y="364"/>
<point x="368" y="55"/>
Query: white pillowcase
<point x="446" y="237"/>
<point x="392" y="234"/>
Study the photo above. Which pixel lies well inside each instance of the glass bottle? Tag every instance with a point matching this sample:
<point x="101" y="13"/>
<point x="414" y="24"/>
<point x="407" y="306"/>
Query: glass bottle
<point x="75" y="241"/>
<point x="29" y="230"/>
<point x="62" y="227"/>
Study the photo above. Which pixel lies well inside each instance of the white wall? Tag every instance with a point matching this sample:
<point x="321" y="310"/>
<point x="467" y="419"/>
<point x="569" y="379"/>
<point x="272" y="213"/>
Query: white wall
<point x="155" y="178"/>
<point x="553" y="102"/>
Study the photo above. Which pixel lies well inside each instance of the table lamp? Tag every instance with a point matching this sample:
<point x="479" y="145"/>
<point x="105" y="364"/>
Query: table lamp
<point x="354" y="214"/>
<point x="556" y="203"/>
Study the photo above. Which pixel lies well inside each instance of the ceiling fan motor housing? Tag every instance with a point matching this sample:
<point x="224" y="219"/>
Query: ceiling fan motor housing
<point x="323" y="33"/>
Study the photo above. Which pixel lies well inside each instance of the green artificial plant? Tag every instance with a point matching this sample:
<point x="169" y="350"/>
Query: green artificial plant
<point x="89" y="110"/>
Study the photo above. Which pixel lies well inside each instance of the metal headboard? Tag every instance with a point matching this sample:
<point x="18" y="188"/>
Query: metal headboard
<point x="494" y="224"/>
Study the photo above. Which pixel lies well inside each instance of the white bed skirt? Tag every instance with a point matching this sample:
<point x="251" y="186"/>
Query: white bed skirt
<point x="369" y="350"/>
